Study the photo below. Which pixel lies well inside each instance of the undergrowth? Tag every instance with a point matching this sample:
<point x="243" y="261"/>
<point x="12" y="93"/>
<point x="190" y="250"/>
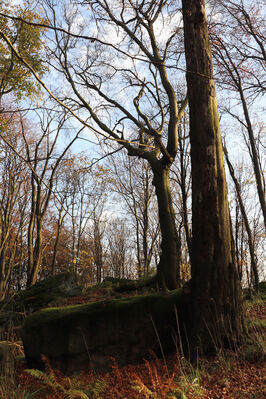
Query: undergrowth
<point x="236" y="373"/>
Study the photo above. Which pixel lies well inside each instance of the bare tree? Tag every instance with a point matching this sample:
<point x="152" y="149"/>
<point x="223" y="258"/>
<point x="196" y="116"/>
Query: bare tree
<point x="253" y="260"/>
<point x="140" y="111"/>
<point x="119" y="250"/>
<point x="13" y="199"/>
<point x="132" y="182"/>
<point x="181" y="175"/>
<point x="240" y="54"/>
<point x="40" y="151"/>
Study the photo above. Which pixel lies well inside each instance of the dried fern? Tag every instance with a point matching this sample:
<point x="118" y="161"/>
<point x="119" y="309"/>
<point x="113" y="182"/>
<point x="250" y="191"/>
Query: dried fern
<point x="139" y="386"/>
<point x="97" y="388"/>
<point x="161" y="385"/>
<point x="49" y="379"/>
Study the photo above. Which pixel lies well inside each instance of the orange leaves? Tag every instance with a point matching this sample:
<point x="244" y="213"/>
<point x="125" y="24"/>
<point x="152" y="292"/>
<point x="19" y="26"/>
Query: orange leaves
<point x="240" y="380"/>
<point x="227" y="376"/>
<point x="26" y="39"/>
<point x="159" y="384"/>
<point x="150" y="380"/>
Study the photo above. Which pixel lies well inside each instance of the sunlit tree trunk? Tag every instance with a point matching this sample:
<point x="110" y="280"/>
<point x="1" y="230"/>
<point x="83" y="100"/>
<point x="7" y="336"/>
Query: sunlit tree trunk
<point x="215" y="288"/>
<point x="168" y="267"/>
<point x="59" y="225"/>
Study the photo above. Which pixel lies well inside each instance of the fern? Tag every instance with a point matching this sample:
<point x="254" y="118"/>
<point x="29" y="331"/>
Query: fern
<point x="140" y="387"/>
<point x="17" y="394"/>
<point x="50" y="380"/>
<point x="161" y="385"/>
<point x="97" y="388"/>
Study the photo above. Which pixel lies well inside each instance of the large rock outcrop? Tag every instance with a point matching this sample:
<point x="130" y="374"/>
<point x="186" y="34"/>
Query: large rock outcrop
<point x="47" y="292"/>
<point x="81" y="336"/>
<point x="52" y="291"/>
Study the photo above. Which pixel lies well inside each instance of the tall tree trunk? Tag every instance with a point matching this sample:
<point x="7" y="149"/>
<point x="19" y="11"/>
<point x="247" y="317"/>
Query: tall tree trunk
<point x="215" y="287"/>
<point x="254" y="155"/>
<point x="145" y="221"/>
<point x="253" y="262"/>
<point x="35" y="228"/>
<point x="37" y="254"/>
<point x="30" y="234"/>
<point x="168" y="267"/>
<point x="98" y="249"/>
<point x="237" y="234"/>
<point x="184" y="193"/>
<point x="56" y="245"/>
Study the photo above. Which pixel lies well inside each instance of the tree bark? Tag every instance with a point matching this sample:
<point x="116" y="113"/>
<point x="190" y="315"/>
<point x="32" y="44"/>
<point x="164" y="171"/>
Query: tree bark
<point x="98" y="249"/>
<point x="215" y="287"/>
<point x="168" y="267"/>
<point x="56" y="244"/>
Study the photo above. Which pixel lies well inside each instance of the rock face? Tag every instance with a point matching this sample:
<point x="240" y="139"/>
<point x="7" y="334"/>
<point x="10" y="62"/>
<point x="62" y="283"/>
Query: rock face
<point x="48" y="292"/>
<point x="8" y="374"/>
<point x="81" y="336"/>
<point x="52" y="291"/>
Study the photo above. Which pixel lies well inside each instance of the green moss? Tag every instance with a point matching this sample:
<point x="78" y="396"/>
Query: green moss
<point x="46" y="291"/>
<point x="111" y="284"/>
<point x="154" y="304"/>
<point x="125" y="328"/>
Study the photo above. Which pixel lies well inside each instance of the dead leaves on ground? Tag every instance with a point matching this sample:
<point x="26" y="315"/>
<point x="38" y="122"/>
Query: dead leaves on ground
<point x="232" y="379"/>
<point x="226" y="376"/>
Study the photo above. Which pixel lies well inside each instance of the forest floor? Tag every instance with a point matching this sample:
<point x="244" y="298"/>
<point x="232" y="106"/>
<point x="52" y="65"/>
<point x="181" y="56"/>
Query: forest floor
<point x="238" y="374"/>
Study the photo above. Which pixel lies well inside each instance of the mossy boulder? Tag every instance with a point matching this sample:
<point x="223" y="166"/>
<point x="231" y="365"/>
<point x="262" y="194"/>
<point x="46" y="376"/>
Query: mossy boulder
<point x="81" y="336"/>
<point x="144" y="284"/>
<point x="121" y="284"/>
<point x="51" y="291"/>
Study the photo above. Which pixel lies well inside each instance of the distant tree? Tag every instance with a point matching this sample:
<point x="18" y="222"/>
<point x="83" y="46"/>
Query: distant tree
<point x="181" y="175"/>
<point x="15" y="77"/>
<point x="13" y="200"/>
<point x="253" y="261"/>
<point x="42" y="158"/>
<point x="132" y="182"/>
<point x="146" y="124"/>
<point x="119" y="250"/>
<point x="82" y="189"/>
<point x="239" y="53"/>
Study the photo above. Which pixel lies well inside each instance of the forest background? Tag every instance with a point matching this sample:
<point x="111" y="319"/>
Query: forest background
<point x="71" y="197"/>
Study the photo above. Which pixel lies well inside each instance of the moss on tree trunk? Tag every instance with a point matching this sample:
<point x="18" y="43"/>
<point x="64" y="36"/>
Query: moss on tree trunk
<point x="216" y="311"/>
<point x="168" y="267"/>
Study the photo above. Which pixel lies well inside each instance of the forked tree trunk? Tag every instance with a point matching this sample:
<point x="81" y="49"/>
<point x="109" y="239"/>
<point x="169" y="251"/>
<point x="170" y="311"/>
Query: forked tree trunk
<point x="215" y="287"/>
<point x="168" y="267"/>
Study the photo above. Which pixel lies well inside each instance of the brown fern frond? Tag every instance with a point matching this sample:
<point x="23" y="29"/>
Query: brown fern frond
<point x="168" y="385"/>
<point x="116" y="371"/>
<point x="40" y="375"/>
<point x="156" y="378"/>
<point x="75" y="394"/>
<point x="150" y="374"/>
<point x="49" y="370"/>
<point x="139" y="386"/>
